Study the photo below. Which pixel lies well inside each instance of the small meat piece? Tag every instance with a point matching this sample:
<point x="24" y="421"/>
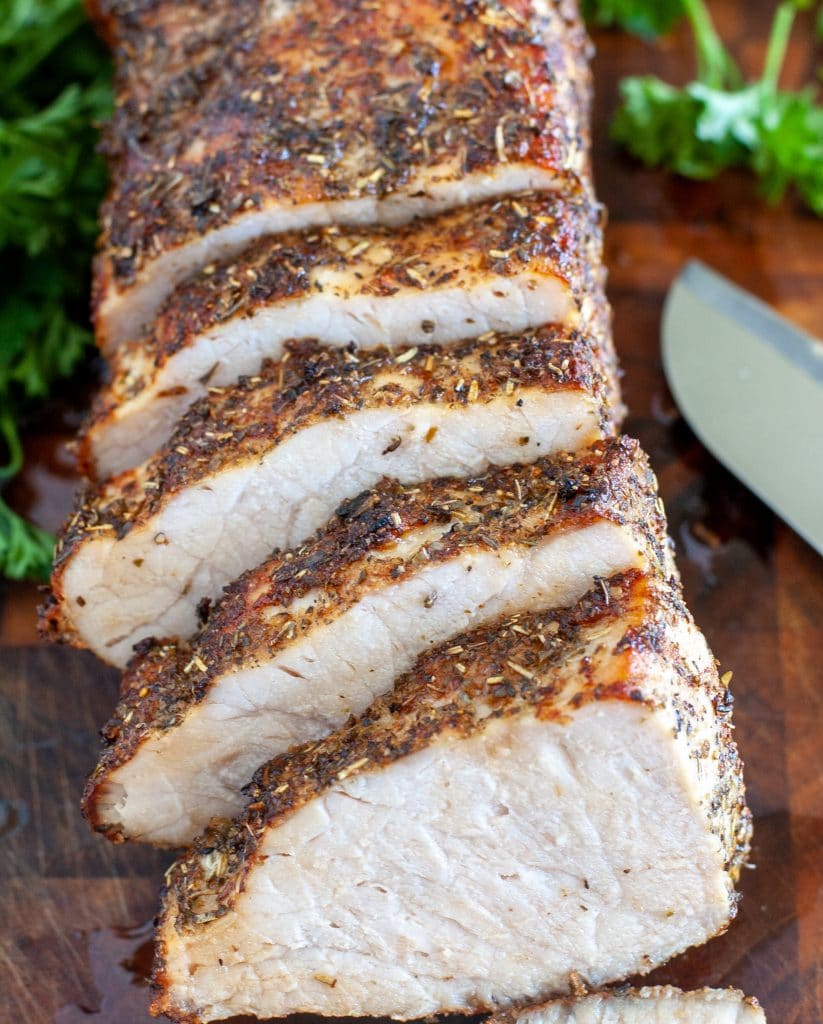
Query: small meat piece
<point x="554" y="801"/>
<point x="244" y="119"/>
<point x="507" y="266"/>
<point x="312" y="636"/>
<point x="263" y="464"/>
<point x="659" y="1005"/>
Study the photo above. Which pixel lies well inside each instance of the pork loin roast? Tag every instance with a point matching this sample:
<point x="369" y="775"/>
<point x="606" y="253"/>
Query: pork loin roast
<point x="553" y="800"/>
<point x="238" y="120"/>
<point x="408" y="669"/>
<point x="263" y="464"/>
<point x="314" y="635"/>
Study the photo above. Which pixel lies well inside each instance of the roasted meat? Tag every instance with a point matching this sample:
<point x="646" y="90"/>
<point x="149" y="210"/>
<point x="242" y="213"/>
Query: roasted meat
<point x="311" y="636"/>
<point x="659" y="1005"/>
<point x="509" y="265"/>
<point x="555" y="800"/>
<point x="263" y="464"/>
<point x="239" y="120"/>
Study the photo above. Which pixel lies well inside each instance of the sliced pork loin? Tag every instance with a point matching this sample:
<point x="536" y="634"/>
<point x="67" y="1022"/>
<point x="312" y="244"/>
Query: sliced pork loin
<point x="312" y="636"/>
<point x="510" y="265"/>
<point x="657" y="1005"/>
<point x="264" y="117"/>
<point x="263" y="464"/>
<point x="553" y="800"/>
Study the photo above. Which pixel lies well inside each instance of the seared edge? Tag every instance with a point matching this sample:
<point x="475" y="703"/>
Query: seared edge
<point x="352" y="556"/>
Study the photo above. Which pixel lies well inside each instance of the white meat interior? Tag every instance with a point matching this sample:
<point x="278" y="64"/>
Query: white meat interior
<point x="471" y="873"/>
<point x="655" y="1005"/>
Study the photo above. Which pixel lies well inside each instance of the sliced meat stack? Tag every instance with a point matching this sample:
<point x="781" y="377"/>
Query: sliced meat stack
<point x="311" y="637"/>
<point x="507" y="266"/>
<point x="407" y="664"/>
<point x="556" y="796"/>
<point x="264" y="463"/>
<point x="660" y="1005"/>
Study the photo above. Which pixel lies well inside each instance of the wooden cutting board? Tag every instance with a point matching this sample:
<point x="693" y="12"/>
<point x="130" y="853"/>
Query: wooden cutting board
<point x="75" y="942"/>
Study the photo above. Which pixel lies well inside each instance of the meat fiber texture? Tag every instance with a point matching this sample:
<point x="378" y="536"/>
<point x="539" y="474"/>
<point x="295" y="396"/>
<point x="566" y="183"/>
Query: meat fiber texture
<point x="237" y="120"/>
<point x="264" y="463"/>
<point x="552" y="801"/>
<point x="657" y="1005"/>
<point x="314" y="635"/>
<point x="507" y="266"/>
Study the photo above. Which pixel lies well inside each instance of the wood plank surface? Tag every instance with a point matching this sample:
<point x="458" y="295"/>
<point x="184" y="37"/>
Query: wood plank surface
<point x="75" y="942"/>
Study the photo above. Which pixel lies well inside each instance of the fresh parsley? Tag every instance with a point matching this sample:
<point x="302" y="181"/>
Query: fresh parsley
<point x="646" y="18"/>
<point x="54" y="88"/>
<point x="719" y="120"/>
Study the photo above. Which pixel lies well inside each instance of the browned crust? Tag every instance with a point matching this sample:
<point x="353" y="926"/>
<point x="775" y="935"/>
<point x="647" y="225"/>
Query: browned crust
<point x="547" y="235"/>
<point x="184" y="31"/>
<point x="458" y="688"/>
<point x="377" y="91"/>
<point x="518" y="504"/>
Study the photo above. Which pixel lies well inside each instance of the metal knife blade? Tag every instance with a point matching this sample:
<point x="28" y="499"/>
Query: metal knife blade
<point x="750" y="384"/>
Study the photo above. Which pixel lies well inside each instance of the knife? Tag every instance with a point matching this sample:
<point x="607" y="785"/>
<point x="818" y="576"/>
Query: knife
<point x="750" y="384"/>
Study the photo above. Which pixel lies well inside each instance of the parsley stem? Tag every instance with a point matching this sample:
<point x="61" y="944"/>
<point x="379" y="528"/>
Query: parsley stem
<point x="715" y="67"/>
<point x="11" y="437"/>
<point x="778" y="41"/>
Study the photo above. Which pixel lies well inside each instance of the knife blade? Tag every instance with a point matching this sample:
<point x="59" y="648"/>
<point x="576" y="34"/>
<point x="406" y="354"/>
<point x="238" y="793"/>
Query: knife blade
<point x="750" y="384"/>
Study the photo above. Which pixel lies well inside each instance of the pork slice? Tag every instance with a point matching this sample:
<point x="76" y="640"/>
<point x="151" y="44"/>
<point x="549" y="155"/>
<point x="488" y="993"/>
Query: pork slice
<point x="294" y="114"/>
<point x="552" y="801"/>
<point x="505" y="266"/>
<point x="264" y="463"/>
<point x="654" y="1005"/>
<point x="310" y="637"/>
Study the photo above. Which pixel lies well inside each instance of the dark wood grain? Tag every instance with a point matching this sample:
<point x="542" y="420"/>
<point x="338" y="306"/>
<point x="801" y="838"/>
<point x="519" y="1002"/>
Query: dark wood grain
<point x="72" y="947"/>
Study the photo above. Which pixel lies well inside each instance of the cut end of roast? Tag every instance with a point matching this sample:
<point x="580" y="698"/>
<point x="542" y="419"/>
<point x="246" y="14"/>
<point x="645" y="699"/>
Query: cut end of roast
<point x="361" y="125"/>
<point x="553" y="800"/>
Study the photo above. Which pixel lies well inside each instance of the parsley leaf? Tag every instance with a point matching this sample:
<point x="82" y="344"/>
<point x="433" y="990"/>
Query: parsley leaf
<point x="25" y="549"/>
<point x="717" y="121"/>
<point x="54" y="88"/>
<point x="647" y="18"/>
<point x="665" y="126"/>
<point x="790" y="148"/>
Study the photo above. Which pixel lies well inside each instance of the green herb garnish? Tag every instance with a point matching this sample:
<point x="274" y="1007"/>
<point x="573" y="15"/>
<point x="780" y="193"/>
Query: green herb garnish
<point x="646" y="18"/>
<point x="54" y="88"/>
<point x="720" y="121"/>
